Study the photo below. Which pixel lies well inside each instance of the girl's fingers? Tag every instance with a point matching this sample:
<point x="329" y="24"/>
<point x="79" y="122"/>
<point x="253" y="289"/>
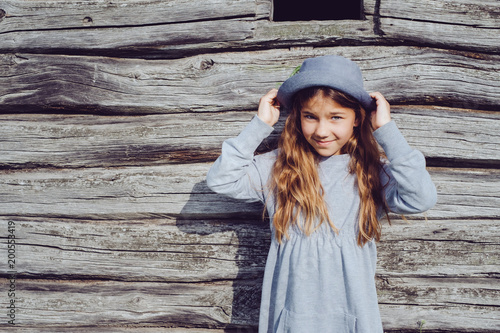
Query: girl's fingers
<point x="269" y="108"/>
<point x="382" y="115"/>
<point x="271" y="97"/>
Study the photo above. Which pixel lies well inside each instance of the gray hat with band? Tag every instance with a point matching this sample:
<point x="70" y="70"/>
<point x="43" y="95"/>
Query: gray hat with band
<point x="331" y="71"/>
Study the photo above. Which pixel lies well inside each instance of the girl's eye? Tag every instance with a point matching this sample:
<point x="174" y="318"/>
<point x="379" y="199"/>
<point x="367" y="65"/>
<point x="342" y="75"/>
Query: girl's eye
<point x="307" y="116"/>
<point x="336" y="118"/>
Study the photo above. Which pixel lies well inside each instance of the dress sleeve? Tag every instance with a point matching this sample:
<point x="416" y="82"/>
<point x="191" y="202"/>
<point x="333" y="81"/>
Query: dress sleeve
<point x="236" y="172"/>
<point x="409" y="186"/>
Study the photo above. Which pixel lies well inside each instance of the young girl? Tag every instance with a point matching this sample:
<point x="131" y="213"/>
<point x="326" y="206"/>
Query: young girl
<point x="325" y="189"/>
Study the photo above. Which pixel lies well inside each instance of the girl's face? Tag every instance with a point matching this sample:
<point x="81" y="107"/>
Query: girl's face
<point x="326" y="124"/>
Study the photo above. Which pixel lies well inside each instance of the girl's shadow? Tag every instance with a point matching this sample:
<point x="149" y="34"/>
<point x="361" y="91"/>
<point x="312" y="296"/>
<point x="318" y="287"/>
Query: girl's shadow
<point x="207" y="213"/>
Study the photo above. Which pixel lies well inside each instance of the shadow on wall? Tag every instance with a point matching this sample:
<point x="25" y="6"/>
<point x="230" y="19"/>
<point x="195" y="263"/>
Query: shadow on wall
<point x="244" y="237"/>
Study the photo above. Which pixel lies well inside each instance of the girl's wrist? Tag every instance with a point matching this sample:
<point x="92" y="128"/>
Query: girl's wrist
<point x="268" y="122"/>
<point x="381" y="123"/>
<point x="263" y="122"/>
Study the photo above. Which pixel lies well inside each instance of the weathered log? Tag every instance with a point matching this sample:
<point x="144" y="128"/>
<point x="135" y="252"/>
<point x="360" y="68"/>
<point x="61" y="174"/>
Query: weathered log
<point x="230" y="81"/>
<point x="453" y="248"/>
<point x="177" y="29"/>
<point x="170" y="41"/>
<point x="463" y="24"/>
<point x="406" y="318"/>
<point x="446" y="136"/>
<point x="100" y="26"/>
<point x="60" y="15"/>
<point x="161" y="250"/>
<point x="473" y="13"/>
<point x="128" y="328"/>
<point x="208" y="273"/>
<point x="108" y="304"/>
<point x="165" y="250"/>
<point x="309" y="34"/>
<point x="104" y="303"/>
<point x="180" y="191"/>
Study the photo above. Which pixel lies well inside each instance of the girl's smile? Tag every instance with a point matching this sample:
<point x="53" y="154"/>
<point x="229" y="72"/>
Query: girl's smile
<point x="327" y="125"/>
<point x="324" y="143"/>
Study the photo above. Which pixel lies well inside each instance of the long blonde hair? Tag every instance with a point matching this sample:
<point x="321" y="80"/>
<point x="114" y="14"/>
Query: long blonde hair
<point x="295" y="181"/>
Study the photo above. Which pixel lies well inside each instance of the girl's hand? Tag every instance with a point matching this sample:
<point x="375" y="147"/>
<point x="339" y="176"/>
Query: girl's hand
<point x="269" y="108"/>
<point x="382" y="115"/>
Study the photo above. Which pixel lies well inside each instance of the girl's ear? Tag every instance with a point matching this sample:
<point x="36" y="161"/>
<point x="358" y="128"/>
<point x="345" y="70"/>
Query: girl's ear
<point x="356" y="122"/>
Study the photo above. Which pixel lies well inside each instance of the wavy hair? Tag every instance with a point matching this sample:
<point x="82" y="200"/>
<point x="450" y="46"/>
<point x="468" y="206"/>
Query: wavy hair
<point x="296" y="184"/>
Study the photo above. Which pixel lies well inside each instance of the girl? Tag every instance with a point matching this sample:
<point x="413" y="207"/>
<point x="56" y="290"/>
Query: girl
<point x="325" y="189"/>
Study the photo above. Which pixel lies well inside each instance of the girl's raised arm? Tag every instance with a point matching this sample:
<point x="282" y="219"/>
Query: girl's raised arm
<point x="409" y="188"/>
<point x="236" y="172"/>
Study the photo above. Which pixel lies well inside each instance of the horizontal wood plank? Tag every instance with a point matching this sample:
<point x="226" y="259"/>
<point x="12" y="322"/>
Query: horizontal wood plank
<point x="436" y="249"/>
<point x="99" y="26"/>
<point x="208" y="274"/>
<point x="405" y="318"/>
<point x="112" y="305"/>
<point x="73" y="141"/>
<point x="474" y="13"/>
<point x="164" y="250"/>
<point x="442" y="35"/>
<point x="309" y="34"/>
<point x="33" y="15"/>
<point x="168" y="41"/>
<point x="128" y="328"/>
<point x="464" y="24"/>
<point x="103" y="303"/>
<point x="235" y="81"/>
<point x="180" y="191"/>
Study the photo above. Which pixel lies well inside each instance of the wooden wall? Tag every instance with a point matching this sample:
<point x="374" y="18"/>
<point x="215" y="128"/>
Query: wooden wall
<point x="111" y="113"/>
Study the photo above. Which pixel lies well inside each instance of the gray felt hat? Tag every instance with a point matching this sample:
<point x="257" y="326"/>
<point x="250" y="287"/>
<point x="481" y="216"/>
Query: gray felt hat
<point x="331" y="71"/>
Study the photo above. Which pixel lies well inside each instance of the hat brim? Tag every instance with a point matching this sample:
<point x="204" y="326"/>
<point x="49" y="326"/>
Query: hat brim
<point x="308" y="79"/>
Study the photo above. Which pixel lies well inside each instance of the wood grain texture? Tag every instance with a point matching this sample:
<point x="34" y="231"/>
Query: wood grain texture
<point x="128" y="28"/>
<point x="162" y="28"/>
<point x="180" y="191"/>
<point x="461" y="24"/>
<point x="33" y="15"/>
<point x="30" y="26"/>
<point x="132" y="328"/>
<point x="116" y="305"/>
<point x="74" y="141"/>
<point x="108" y="303"/>
<point x="439" y="288"/>
<point x="112" y="112"/>
<point x="449" y="318"/>
<point x="443" y="35"/>
<point x="153" y="250"/>
<point x="168" y="41"/>
<point x="474" y="13"/>
<point x="309" y="34"/>
<point x="229" y="82"/>
<point x="195" y="251"/>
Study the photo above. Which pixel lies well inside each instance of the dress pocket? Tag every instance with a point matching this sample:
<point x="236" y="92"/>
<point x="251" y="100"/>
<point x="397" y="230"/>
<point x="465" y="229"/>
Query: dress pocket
<point x="337" y="322"/>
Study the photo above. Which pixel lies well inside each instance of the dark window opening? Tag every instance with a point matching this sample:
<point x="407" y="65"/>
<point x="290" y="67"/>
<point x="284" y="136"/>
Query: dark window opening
<point x="306" y="10"/>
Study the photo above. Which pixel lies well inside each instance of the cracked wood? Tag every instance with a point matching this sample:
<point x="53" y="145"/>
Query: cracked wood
<point x="229" y="82"/>
<point x="74" y="141"/>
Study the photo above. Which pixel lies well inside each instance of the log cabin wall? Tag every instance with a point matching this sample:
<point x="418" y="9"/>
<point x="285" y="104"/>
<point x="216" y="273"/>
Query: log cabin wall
<point x="113" y="111"/>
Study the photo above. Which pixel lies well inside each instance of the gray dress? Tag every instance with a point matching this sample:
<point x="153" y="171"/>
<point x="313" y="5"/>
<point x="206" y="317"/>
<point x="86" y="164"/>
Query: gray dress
<point x="323" y="282"/>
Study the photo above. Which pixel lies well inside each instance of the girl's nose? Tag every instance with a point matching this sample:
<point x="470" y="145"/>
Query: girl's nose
<point x="322" y="130"/>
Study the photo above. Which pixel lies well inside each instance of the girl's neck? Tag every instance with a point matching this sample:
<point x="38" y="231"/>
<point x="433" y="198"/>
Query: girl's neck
<point x="339" y="157"/>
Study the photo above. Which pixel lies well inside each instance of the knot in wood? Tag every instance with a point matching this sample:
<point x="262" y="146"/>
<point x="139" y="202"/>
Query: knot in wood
<point x="87" y="19"/>
<point x="206" y="64"/>
<point x="2" y="14"/>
